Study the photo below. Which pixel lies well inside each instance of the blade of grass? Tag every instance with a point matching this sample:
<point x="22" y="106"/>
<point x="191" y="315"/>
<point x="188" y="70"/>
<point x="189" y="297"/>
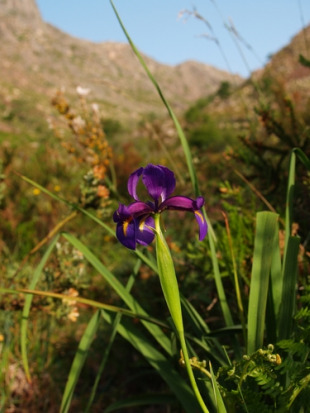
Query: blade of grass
<point x="157" y="333"/>
<point x="79" y="361"/>
<point x="289" y="200"/>
<point x="274" y="292"/>
<point x="159" y="362"/>
<point x="27" y="305"/>
<point x="144" y="400"/>
<point x="108" y="348"/>
<point x="91" y="303"/>
<point x="202" y="330"/>
<point x="192" y="173"/>
<point x="220" y="406"/>
<point x="236" y="278"/>
<point x="302" y="157"/>
<point x="178" y="127"/>
<point x="266" y="228"/>
<point x="287" y="308"/>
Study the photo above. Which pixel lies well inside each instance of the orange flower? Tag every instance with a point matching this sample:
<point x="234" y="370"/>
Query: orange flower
<point x="103" y="192"/>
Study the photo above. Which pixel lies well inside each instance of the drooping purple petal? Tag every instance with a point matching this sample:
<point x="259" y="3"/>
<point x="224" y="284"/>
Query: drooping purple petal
<point x="203" y="226"/>
<point x="139" y="208"/>
<point x="133" y="182"/>
<point x="159" y="181"/>
<point x="126" y="233"/>
<point x="145" y="230"/>
<point x="121" y="214"/>
<point x="125" y="227"/>
<point x="181" y="203"/>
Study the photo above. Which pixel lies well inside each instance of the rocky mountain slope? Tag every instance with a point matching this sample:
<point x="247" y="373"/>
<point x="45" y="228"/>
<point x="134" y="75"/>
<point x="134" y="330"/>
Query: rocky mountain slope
<point x="37" y="59"/>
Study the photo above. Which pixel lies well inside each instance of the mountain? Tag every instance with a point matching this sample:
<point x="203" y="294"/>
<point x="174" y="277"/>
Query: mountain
<point x="37" y="59"/>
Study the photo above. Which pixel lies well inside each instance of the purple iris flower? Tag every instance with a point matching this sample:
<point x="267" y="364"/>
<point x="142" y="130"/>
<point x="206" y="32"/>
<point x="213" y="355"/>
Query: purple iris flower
<point x="135" y="223"/>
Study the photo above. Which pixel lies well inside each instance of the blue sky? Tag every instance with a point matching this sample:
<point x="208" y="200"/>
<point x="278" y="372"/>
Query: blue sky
<point x="265" y="25"/>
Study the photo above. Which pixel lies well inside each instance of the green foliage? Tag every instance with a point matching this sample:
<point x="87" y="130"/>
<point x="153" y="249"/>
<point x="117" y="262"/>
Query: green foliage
<point x="204" y="131"/>
<point x="304" y="61"/>
<point x="252" y="383"/>
<point x="224" y="91"/>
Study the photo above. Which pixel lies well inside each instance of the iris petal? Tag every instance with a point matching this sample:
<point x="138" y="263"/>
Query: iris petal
<point x="133" y="182"/>
<point x="159" y="181"/>
<point x="181" y="203"/>
<point x="121" y="214"/>
<point x="203" y="226"/>
<point x="126" y="233"/>
<point x="139" y="208"/>
<point x="169" y="185"/>
<point x="144" y="230"/>
<point x="199" y="202"/>
<point x="135" y="223"/>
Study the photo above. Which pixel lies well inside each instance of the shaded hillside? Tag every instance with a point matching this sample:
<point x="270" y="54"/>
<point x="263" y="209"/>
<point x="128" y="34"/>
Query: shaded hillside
<point x="37" y="59"/>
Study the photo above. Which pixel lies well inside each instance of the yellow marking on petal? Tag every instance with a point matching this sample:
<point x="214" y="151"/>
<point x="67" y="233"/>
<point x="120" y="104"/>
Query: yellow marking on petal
<point x="199" y="214"/>
<point x="125" y="226"/>
<point x="141" y="225"/>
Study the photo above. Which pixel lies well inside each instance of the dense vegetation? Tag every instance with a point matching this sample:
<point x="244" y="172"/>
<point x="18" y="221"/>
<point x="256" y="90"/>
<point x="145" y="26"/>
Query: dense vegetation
<point x="97" y="334"/>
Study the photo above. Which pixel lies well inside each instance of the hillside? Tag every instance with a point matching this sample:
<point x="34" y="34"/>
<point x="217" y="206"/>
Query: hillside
<point x="283" y="72"/>
<point x="37" y="59"/>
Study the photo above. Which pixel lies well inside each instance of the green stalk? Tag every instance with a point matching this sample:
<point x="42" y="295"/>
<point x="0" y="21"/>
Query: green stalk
<point x="171" y="293"/>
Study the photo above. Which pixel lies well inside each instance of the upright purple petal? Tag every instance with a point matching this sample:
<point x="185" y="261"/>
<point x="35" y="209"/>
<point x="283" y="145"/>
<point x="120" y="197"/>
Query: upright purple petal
<point x="145" y="230"/>
<point x="133" y="182"/>
<point x="159" y="181"/>
<point x="169" y="183"/>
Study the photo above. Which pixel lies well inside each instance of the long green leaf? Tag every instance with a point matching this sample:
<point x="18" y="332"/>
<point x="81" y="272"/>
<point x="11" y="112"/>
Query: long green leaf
<point x="274" y="292"/>
<point x="302" y="157"/>
<point x="159" y="362"/>
<point x="202" y="330"/>
<point x="289" y="200"/>
<point x="220" y="406"/>
<point x="290" y="191"/>
<point x="121" y="290"/>
<point x="108" y="348"/>
<point x="287" y="308"/>
<point x="79" y="360"/>
<point x="144" y="400"/>
<point x="27" y="305"/>
<point x="266" y="228"/>
<point x="178" y="127"/>
<point x="89" y="302"/>
<point x="192" y="173"/>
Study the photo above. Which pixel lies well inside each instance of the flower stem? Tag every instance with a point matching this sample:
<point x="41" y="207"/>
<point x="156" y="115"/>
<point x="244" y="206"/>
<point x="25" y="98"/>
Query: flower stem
<point x="170" y="289"/>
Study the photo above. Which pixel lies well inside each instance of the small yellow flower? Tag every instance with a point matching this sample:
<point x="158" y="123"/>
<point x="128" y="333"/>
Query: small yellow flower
<point x="57" y="188"/>
<point x="1" y="338"/>
<point x="36" y="191"/>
